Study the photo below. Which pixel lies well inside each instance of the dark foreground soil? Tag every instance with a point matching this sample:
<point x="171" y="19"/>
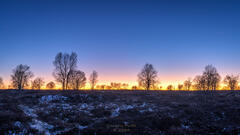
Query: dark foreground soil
<point x="119" y="112"/>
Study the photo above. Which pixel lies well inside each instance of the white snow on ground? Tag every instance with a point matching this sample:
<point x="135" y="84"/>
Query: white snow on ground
<point x="143" y="105"/>
<point x="150" y="109"/>
<point x="80" y="127"/>
<point x="28" y="111"/>
<point x="18" y="124"/>
<point x="185" y="126"/>
<point x="66" y="106"/>
<point x="127" y="107"/>
<point x="115" y="109"/>
<point x="42" y="127"/>
<point x="45" y="128"/>
<point x="86" y="106"/>
<point x="109" y="105"/>
<point x="23" y="132"/>
<point x="49" y="98"/>
<point x="115" y="112"/>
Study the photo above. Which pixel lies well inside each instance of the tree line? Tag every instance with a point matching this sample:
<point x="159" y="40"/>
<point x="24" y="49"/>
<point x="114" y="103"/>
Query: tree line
<point x="69" y="76"/>
<point x="65" y="73"/>
<point x="209" y="80"/>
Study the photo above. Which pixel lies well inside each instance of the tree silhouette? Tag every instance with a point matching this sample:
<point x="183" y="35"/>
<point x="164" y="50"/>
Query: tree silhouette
<point x="64" y="64"/>
<point x="50" y="85"/>
<point x="124" y="86"/>
<point x="101" y="87"/>
<point x="134" y="87"/>
<point x="77" y="80"/>
<point x="37" y="83"/>
<point x="180" y="86"/>
<point x="147" y="78"/>
<point x="1" y="83"/>
<point x="93" y="79"/>
<point x="212" y="77"/>
<point x="20" y="77"/>
<point x="200" y="82"/>
<point x="169" y="87"/>
<point x="231" y="81"/>
<point x="187" y="84"/>
<point x="115" y="85"/>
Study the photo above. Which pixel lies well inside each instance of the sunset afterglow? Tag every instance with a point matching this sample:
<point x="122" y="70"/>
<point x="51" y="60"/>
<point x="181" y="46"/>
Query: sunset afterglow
<point x="119" y="67"/>
<point x="179" y="39"/>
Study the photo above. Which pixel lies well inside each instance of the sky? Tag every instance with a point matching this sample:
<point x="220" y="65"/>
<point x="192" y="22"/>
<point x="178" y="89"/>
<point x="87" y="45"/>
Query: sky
<point x="117" y="37"/>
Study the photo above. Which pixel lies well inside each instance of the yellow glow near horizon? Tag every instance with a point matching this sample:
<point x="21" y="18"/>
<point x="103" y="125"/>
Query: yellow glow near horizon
<point x="164" y="83"/>
<point x="130" y="85"/>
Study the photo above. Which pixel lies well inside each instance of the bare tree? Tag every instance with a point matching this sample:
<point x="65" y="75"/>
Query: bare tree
<point x="231" y="81"/>
<point x="180" y="86"/>
<point x="50" y="85"/>
<point x="93" y="79"/>
<point x="37" y="83"/>
<point x="134" y="87"/>
<point x="101" y="87"/>
<point x="187" y="84"/>
<point x="147" y="78"/>
<point x="1" y="83"/>
<point x="20" y="77"/>
<point x="77" y="80"/>
<point x="115" y="85"/>
<point x="169" y="87"/>
<point x="212" y="77"/>
<point x="200" y="82"/>
<point x="64" y="64"/>
<point x="125" y="86"/>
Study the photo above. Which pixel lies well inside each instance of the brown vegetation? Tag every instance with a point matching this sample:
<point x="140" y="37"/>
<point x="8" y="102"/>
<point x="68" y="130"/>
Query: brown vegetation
<point x="119" y="112"/>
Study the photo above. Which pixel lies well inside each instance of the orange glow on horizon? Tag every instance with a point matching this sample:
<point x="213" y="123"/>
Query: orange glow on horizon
<point x="164" y="86"/>
<point x="164" y="82"/>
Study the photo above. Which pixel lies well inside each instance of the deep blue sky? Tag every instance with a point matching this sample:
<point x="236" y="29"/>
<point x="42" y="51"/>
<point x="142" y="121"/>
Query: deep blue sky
<point x="117" y="38"/>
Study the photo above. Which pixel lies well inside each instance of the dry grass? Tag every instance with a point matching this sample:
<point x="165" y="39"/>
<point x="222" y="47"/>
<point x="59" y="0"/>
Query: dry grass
<point x="119" y="112"/>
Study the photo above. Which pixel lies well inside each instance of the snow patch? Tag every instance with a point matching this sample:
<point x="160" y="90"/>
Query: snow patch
<point x="18" y="124"/>
<point x="28" y="111"/>
<point x="185" y="126"/>
<point x="49" y="98"/>
<point x="127" y="107"/>
<point x="117" y="108"/>
<point x="84" y="106"/>
<point x="143" y="105"/>
<point x="23" y="132"/>
<point x="41" y="126"/>
<point x="115" y="112"/>
<point x="80" y="127"/>
<point x="150" y="109"/>
<point x="66" y="106"/>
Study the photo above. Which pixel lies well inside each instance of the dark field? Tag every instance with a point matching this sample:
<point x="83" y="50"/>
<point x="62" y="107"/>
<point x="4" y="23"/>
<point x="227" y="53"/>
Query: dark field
<point x="119" y="112"/>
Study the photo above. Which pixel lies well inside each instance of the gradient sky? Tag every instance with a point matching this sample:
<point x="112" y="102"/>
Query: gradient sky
<point x="116" y="38"/>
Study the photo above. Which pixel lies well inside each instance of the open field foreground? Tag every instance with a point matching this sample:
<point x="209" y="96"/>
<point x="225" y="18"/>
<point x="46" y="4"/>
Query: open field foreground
<point x="119" y="112"/>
